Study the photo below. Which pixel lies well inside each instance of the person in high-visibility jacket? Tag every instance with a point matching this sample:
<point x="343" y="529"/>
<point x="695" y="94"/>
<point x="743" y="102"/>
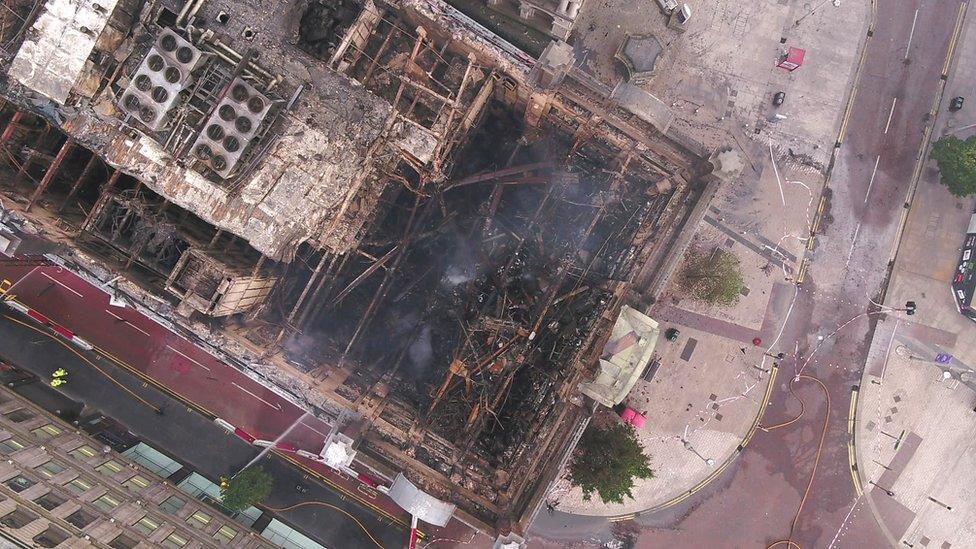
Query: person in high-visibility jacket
<point x="57" y="382"/>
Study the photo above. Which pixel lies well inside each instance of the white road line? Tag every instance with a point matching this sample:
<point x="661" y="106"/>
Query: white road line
<point x="131" y="325"/>
<point x="853" y="243"/>
<point x="891" y="113"/>
<point x="873" y="173"/>
<point x="776" y="171"/>
<point x="186" y="357"/>
<point x="275" y="406"/>
<point x="911" y="35"/>
<point x="888" y="352"/>
<point x="59" y="283"/>
<point x="316" y="430"/>
<point x="844" y="523"/>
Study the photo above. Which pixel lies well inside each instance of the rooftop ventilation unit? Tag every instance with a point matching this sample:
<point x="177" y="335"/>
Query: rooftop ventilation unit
<point x="231" y="127"/>
<point x="165" y="72"/>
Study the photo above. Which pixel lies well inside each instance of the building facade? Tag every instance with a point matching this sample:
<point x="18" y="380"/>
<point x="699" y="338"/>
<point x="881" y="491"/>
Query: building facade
<point x="62" y="488"/>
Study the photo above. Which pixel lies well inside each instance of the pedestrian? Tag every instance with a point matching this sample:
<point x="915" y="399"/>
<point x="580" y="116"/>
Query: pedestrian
<point x="743" y="349"/>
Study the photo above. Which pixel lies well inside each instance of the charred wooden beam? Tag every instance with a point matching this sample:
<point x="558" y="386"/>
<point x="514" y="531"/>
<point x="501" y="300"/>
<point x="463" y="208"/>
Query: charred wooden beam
<point x="363" y="276"/>
<point x="51" y="172"/>
<point x="8" y="131"/>
<point x="79" y="180"/>
<point x="499" y="174"/>
<point x="102" y="198"/>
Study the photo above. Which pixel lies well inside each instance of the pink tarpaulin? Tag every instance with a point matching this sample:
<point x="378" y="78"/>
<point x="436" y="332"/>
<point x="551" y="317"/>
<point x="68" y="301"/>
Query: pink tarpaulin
<point x="629" y="415"/>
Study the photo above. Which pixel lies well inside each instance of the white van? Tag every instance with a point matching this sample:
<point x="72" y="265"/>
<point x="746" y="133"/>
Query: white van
<point x="667" y="5"/>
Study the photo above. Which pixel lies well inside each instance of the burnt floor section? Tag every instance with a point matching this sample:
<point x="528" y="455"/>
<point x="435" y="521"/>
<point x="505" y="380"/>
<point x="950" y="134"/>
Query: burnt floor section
<point x="471" y="304"/>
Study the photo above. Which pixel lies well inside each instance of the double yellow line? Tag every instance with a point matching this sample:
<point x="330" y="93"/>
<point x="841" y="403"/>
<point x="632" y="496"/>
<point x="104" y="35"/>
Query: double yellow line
<point x="852" y="435"/>
<point x="956" y="31"/>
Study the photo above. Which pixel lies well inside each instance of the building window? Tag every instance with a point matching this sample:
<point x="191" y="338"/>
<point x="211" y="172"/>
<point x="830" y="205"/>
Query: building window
<point x="199" y="519"/>
<point x="19" y="415"/>
<point x="175" y="540"/>
<point x="52" y="537"/>
<point x="80" y="518"/>
<point x="109" y="468"/>
<point x="123" y="541"/>
<point x="83" y="452"/>
<point x="78" y="486"/>
<point x="172" y="504"/>
<point x="46" y="431"/>
<point x="136" y="484"/>
<point x="19" y="518"/>
<point x="19" y="483"/>
<point x="146" y="526"/>
<point x="106" y="503"/>
<point x="50" y="500"/>
<point x="10" y="446"/>
<point x="49" y="468"/>
<point x="225" y="535"/>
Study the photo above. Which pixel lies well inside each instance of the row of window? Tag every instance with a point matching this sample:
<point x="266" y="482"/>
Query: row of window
<point x="107" y="502"/>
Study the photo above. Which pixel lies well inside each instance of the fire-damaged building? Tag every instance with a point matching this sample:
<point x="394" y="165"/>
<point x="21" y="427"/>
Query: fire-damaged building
<point x="377" y="206"/>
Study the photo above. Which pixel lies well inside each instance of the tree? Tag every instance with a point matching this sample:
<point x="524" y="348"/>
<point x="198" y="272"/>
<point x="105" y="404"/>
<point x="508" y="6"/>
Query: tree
<point x="957" y="164"/>
<point x="607" y="460"/>
<point x="714" y="278"/>
<point x="250" y="486"/>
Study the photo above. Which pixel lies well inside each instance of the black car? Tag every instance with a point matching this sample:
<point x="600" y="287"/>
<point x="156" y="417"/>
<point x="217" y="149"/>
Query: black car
<point x="956" y="103"/>
<point x="778" y="98"/>
<point x="671" y="334"/>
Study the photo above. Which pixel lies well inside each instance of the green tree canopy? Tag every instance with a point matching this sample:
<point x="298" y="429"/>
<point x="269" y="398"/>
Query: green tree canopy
<point x="957" y="164"/>
<point x="249" y="487"/>
<point x="714" y="277"/>
<point x="607" y="460"/>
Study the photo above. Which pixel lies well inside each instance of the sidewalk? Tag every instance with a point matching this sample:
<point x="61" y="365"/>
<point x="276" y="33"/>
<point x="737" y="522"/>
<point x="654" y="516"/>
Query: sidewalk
<point x="706" y="397"/>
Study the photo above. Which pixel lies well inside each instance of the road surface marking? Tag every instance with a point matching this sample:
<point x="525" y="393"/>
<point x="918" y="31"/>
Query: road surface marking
<point x="62" y="284"/>
<point x="188" y="358"/>
<point x="275" y="406"/>
<point x="911" y="35"/>
<point x="890" y="114"/>
<point x="133" y="326"/>
<point x="873" y="173"/>
<point x="853" y="243"/>
<point x="955" y="38"/>
<point x="891" y="341"/>
<point x="316" y="430"/>
<point x="843" y="523"/>
<point x="776" y="171"/>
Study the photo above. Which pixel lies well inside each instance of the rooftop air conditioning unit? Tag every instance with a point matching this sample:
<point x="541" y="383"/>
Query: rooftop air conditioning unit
<point x="156" y="85"/>
<point x="231" y="127"/>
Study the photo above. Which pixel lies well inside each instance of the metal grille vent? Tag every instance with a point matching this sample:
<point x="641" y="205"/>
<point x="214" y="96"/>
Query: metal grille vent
<point x="231" y="127"/>
<point x="156" y="85"/>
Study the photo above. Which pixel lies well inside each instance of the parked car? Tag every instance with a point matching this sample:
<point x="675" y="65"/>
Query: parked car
<point x="956" y="103"/>
<point x="671" y="334"/>
<point x="778" y="98"/>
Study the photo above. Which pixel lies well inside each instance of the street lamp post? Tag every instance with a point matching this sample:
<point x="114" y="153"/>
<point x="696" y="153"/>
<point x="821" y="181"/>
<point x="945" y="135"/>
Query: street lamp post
<point x="708" y="461"/>
<point x="883" y="489"/>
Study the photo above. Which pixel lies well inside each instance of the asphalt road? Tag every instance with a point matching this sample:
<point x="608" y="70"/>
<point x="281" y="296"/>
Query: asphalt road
<point x="768" y="497"/>
<point x="193" y="439"/>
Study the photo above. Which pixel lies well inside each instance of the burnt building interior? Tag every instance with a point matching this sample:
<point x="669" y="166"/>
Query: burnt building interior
<point x="406" y="217"/>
